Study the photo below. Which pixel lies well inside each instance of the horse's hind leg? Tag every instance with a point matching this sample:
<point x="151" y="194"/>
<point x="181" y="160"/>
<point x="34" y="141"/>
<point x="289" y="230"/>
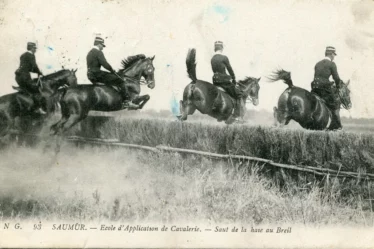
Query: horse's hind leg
<point x="64" y="125"/>
<point x="57" y="126"/>
<point x="72" y="120"/>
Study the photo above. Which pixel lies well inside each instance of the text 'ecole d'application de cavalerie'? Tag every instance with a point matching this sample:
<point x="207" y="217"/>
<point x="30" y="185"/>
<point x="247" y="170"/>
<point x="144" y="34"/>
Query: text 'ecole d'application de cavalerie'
<point x="141" y="228"/>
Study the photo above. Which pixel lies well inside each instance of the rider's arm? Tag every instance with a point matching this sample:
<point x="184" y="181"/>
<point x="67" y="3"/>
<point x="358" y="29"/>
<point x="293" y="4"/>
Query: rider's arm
<point x="103" y="62"/>
<point x="335" y="75"/>
<point x="229" y="68"/>
<point x="35" y="68"/>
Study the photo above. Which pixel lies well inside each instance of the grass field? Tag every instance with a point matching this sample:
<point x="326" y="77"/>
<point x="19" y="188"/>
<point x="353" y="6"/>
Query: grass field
<point x="95" y="183"/>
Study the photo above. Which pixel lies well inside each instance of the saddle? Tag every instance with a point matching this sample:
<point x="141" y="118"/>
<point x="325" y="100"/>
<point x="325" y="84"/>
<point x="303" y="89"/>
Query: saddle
<point x="21" y="90"/>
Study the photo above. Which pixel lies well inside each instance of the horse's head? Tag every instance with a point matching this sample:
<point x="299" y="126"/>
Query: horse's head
<point x="344" y="95"/>
<point x="250" y="86"/>
<point x="71" y="79"/>
<point x="149" y="72"/>
<point x="138" y="66"/>
<point x="50" y="83"/>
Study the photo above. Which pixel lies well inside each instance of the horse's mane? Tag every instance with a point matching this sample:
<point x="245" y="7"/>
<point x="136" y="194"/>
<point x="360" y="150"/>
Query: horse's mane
<point x="131" y="60"/>
<point x="246" y="79"/>
<point x="57" y="75"/>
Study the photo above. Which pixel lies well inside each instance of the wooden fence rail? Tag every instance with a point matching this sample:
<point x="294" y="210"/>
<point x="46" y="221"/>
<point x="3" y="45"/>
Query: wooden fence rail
<point x="161" y="148"/>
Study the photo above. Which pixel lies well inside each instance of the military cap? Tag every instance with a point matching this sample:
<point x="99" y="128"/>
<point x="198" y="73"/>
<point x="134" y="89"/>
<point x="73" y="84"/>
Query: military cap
<point x="331" y="49"/>
<point x="99" y="40"/>
<point x="31" y="45"/>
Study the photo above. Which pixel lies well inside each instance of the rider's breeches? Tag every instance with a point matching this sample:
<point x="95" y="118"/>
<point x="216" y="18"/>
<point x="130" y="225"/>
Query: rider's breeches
<point x="230" y="89"/>
<point x="331" y="98"/>
<point x="108" y="79"/>
<point x="327" y="94"/>
<point x="104" y="77"/>
<point x="24" y="80"/>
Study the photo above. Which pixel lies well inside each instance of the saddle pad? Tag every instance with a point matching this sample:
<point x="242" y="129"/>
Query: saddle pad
<point x="17" y="88"/>
<point x="114" y="87"/>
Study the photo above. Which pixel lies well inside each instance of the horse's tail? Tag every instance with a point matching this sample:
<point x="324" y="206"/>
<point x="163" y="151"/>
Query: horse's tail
<point x="283" y="75"/>
<point x="191" y="64"/>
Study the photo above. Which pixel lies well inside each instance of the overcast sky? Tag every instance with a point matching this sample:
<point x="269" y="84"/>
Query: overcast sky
<point x="259" y="36"/>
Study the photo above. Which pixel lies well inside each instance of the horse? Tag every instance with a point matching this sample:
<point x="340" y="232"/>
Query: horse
<point x="21" y="104"/>
<point x="304" y="107"/>
<point x="76" y="102"/>
<point x="201" y="95"/>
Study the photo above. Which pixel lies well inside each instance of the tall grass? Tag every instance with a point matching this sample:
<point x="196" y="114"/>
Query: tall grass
<point x="336" y="150"/>
<point x="95" y="183"/>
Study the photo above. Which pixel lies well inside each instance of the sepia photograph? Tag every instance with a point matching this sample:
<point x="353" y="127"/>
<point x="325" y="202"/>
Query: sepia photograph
<point x="186" y="124"/>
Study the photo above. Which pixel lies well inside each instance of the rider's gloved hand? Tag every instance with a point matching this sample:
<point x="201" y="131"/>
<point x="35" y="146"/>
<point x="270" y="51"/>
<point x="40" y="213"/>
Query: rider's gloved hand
<point x="236" y="84"/>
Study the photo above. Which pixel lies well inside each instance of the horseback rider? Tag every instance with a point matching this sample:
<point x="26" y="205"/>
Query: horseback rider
<point x="96" y="59"/>
<point x="23" y="78"/>
<point x="325" y="89"/>
<point x="220" y="63"/>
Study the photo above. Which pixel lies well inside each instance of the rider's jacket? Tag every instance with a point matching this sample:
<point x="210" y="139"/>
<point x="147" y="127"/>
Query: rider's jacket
<point x="220" y="63"/>
<point x="28" y="64"/>
<point x="324" y="69"/>
<point x="95" y="59"/>
<point x="23" y="78"/>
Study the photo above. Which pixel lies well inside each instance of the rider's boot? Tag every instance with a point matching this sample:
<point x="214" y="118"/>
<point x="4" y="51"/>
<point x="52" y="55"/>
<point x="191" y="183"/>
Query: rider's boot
<point x="235" y="116"/>
<point x="336" y="120"/>
<point x="38" y="104"/>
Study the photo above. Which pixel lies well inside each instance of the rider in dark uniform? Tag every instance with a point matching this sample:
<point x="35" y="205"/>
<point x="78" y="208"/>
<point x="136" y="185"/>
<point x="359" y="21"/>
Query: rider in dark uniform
<point x="96" y="59"/>
<point x="327" y="90"/>
<point x="23" y="78"/>
<point x="219" y="64"/>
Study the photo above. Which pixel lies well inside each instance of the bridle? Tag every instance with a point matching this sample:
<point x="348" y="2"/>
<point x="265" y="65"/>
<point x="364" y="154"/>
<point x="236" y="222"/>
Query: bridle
<point x="345" y="105"/>
<point x="249" y="99"/>
<point x="133" y="79"/>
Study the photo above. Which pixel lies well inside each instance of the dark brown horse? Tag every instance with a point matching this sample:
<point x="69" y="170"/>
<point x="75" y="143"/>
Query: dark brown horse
<point x="201" y="95"/>
<point x="21" y="103"/>
<point x="76" y="102"/>
<point x="306" y="108"/>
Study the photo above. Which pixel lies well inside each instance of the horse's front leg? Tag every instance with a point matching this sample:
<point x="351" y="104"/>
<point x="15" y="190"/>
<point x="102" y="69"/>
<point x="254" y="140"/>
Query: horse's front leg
<point x="186" y="108"/>
<point x="141" y="100"/>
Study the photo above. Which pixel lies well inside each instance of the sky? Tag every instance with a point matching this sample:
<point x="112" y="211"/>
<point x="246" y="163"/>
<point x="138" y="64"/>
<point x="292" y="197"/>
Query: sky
<point x="259" y="37"/>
